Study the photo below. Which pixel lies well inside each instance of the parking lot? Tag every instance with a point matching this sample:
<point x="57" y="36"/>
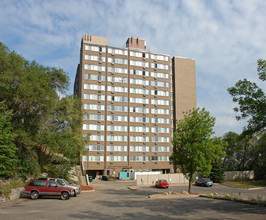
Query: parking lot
<point x="113" y="200"/>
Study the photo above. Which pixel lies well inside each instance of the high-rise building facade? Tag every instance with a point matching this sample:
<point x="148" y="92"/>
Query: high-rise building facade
<point x="131" y="99"/>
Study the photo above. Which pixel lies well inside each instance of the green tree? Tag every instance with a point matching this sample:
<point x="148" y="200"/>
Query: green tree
<point x="259" y="162"/>
<point x="45" y="125"/>
<point x="252" y="101"/>
<point x="194" y="150"/>
<point x="8" y="157"/>
<point x="230" y="161"/>
<point x="217" y="172"/>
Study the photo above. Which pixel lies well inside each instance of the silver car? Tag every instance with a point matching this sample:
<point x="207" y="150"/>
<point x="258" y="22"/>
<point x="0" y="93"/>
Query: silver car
<point x="204" y="182"/>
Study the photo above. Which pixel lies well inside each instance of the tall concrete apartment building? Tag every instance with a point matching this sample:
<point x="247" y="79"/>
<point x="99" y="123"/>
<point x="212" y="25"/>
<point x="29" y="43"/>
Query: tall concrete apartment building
<point x="131" y="99"/>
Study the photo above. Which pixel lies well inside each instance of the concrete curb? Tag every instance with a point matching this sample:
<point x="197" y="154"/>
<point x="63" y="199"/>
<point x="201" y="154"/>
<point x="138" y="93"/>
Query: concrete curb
<point x="93" y="190"/>
<point x="172" y="196"/>
<point x="243" y="188"/>
<point x="235" y="200"/>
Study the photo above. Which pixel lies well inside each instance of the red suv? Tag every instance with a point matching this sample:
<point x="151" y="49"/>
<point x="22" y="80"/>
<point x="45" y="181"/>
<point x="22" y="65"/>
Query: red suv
<point x="37" y="188"/>
<point x="161" y="184"/>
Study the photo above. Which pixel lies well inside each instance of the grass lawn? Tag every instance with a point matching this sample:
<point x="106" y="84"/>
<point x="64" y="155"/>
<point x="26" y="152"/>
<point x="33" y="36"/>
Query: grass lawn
<point x="246" y="183"/>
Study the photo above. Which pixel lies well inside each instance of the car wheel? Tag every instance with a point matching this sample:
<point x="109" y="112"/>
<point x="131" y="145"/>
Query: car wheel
<point x="34" y="195"/>
<point x="202" y="184"/>
<point x="64" y="195"/>
<point x="75" y="193"/>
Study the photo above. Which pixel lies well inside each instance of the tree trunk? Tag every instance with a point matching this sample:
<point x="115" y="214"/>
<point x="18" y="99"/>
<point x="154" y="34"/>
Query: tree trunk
<point x="189" y="184"/>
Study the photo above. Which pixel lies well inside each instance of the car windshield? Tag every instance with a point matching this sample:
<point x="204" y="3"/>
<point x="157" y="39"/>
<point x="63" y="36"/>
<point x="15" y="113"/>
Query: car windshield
<point x="206" y="179"/>
<point x="163" y="181"/>
<point x="60" y="182"/>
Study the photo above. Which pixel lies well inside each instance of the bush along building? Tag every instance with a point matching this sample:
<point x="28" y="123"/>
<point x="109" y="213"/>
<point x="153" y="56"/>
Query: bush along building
<point x="131" y="100"/>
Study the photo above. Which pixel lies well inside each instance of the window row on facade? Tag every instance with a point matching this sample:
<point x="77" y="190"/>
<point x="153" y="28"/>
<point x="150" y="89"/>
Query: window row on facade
<point x="133" y="72"/>
<point x="122" y="128"/>
<point x="94" y="158"/>
<point x="124" y="138"/>
<point x="124" y="108"/>
<point x="122" y="118"/>
<point x="124" y="70"/>
<point x="125" y="52"/>
<point x="124" y="148"/>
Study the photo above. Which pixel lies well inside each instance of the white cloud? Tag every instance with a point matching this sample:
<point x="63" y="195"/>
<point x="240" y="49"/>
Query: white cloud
<point x="225" y="37"/>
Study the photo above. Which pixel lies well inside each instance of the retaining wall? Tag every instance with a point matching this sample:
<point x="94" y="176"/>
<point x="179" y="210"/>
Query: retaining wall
<point x="239" y="175"/>
<point x="15" y="194"/>
<point x="177" y="178"/>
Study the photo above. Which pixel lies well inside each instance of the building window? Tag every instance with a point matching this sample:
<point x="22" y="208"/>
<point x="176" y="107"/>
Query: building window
<point x="139" y="139"/>
<point x="93" y="127"/>
<point x="117" y="108"/>
<point x="159" y="66"/>
<point x="160" y="149"/>
<point x="94" y="58"/>
<point x="116" y="158"/>
<point x="160" y="75"/>
<point x="139" y="158"/>
<point x="117" y="79"/>
<point x="160" y="84"/>
<point x="95" y="147"/>
<point x="160" y="120"/>
<point x="94" y="97"/>
<point x="160" y="158"/>
<point x="139" y="72"/>
<point x="160" y="93"/>
<point x="91" y="158"/>
<point x="94" y="77"/>
<point x="159" y="130"/>
<point x="139" y="100"/>
<point x="159" y="57"/>
<point x="94" y="87"/>
<point x="94" y="67"/>
<point x="116" y="118"/>
<point x="139" y="110"/>
<point x="139" y="63"/>
<point x="139" y="54"/>
<point x="93" y="117"/>
<point x="116" y="148"/>
<point x="139" y="119"/>
<point x="159" y="102"/>
<point x="160" y="111"/>
<point x="97" y="137"/>
<point x="93" y="107"/>
<point x="118" y="98"/>
<point x="117" y="70"/>
<point x="139" y="149"/>
<point x="139" y="82"/>
<point x="117" y="89"/>
<point x="116" y="128"/>
<point x="139" y="91"/>
<point x="139" y="129"/>
<point x="116" y="138"/>
<point x="118" y="61"/>
<point x="95" y="48"/>
<point x="117" y="51"/>
<point x="160" y="139"/>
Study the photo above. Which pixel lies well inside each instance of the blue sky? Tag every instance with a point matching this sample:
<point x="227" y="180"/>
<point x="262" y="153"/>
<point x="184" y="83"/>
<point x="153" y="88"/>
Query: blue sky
<point x="226" y="38"/>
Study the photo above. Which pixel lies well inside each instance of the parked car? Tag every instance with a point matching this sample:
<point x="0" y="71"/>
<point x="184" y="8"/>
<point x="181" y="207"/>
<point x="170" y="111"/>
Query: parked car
<point x="106" y="178"/>
<point x="63" y="182"/>
<point x="161" y="184"/>
<point x="204" y="182"/>
<point x="37" y="188"/>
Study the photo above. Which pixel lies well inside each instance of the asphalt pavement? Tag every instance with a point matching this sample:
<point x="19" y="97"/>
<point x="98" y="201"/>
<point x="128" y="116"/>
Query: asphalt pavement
<point x="113" y="200"/>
